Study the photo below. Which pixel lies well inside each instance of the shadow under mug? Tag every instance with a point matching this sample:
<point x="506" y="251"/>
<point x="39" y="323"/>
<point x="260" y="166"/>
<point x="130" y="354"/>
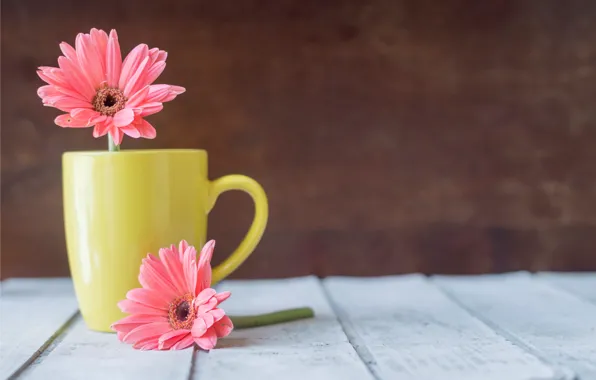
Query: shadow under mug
<point x="119" y="206"/>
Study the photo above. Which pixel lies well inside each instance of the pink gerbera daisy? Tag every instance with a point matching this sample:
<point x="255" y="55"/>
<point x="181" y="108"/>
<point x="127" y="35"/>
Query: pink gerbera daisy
<point x="96" y="88"/>
<point x="175" y="306"/>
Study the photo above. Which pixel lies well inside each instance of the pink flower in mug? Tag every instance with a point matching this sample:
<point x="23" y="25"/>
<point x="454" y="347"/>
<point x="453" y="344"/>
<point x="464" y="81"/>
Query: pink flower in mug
<point x="176" y="307"/>
<point x="95" y="87"/>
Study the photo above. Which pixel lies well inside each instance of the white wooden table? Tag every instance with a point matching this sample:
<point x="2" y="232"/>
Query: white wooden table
<point x="503" y="327"/>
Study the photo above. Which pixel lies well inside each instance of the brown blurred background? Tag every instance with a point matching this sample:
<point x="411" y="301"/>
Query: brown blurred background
<point x="391" y="136"/>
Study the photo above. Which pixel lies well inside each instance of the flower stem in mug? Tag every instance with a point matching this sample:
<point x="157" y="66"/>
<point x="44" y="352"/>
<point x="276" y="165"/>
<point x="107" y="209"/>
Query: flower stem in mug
<point x="282" y="316"/>
<point x="111" y="146"/>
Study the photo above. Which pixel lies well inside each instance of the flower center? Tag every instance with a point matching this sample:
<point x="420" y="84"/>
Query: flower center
<point x="182" y="311"/>
<point x="181" y="314"/>
<point x="108" y="101"/>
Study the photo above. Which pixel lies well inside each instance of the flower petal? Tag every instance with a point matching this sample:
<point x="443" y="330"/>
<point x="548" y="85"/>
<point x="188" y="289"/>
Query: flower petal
<point x="79" y="118"/>
<point x="204" y="266"/>
<point x="131" y="63"/>
<point x="67" y="121"/>
<point x="124" y="117"/>
<point x="153" y="53"/>
<point x="157" y="56"/>
<point x="99" y="40"/>
<point x="161" y="56"/>
<point x="72" y="93"/>
<point x="204" y="296"/>
<point x="152" y="345"/>
<point x="199" y="327"/>
<point x="217" y="314"/>
<point x="69" y="52"/>
<point x="65" y="103"/>
<point x="183" y="343"/>
<point x="87" y="115"/>
<point x="116" y="134"/>
<point x="149" y="297"/>
<point x="154" y="72"/>
<point x="207" y="318"/>
<point x="89" y="60"/>
<point x="155" y="263"/>
<point x="220" y="297"/>
<point x="174" y="91"/>
<point x="173" y="265"/>
<point x="132" y="307"/>
<point x="53" y="90"/>
<point x="131" y="322"/>
<point x="190" y="268"/>
<point x="153" y="275"/>
<point x="147" y="109"/>
<point x="146" y="331"/>
<point x="136" y="80"/>
<point x="163" y="93"/>
<point x="113" y="60"/>
<point x="75" y="78"/>
<point x="167" y="340"/>
<point x="207" y="306"/>
<point x="208" y="340"/>
<point x="47" y="91"/>
<point x="138" y="97"/>
<point x="158" y="92"/>
<point x="83" y="86"/>
<point x="131" y="130"/>
<point x="102" y="128"/>
<point x="146" y="129"/>
<point x="53" y="77"/>
<point x="182" y="247"/>
<point x="146" y="344"/>
<point x="223" y="327"/>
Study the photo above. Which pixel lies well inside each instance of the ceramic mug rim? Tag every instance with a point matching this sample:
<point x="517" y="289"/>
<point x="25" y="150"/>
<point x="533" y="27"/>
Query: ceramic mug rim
<point x="133" y="152"/>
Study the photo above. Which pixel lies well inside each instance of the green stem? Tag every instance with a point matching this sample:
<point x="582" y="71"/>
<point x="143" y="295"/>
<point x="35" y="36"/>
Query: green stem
<point x="248" y="321"/>
<point x="111" y="146"/>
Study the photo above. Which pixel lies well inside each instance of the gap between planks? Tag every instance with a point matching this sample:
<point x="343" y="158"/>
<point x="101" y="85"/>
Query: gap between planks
<point x="39" y="355"/>
<point x="25" y="335"/>
<point x="552" y="323"/>
<point x="355" y="340"/>
<point x="315" y="348"/>
<point x="278" y="344"/>
<point x="404" y="327"/>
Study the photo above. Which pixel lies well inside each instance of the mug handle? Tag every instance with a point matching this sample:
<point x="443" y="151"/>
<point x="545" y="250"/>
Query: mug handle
<point x="257" y="228"/>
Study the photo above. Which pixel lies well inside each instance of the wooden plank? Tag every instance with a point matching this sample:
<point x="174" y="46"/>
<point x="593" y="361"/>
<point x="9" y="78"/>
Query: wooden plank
<point x="406" y="328"/>
<point x="89" y="355"/>
<point x="551" y="323"/>
<point x="308" y="349"/>
<point x="582" y="284"/>
<point x="32" y="312"/>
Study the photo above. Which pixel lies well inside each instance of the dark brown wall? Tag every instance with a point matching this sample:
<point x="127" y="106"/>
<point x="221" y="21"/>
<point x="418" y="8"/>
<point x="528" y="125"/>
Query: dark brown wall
<point x="391" y="136"/>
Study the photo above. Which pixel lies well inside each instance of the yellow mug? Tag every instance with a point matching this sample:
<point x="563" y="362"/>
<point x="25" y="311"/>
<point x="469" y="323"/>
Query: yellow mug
<point x="119" y="206"/>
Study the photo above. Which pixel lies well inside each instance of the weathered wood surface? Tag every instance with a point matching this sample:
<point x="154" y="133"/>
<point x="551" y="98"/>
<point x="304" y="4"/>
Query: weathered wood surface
<point x="32" y="314"/>
<point x="514" y="327"/>
<point x="549" y="322"/>
<point x="313" y="349"/>
<point x="408" y="329"/>
<point x="581" y="284"/>
<point x="89" y="355"/>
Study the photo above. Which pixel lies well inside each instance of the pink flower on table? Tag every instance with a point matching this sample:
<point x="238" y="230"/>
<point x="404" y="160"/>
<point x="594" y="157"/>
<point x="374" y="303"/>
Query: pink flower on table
<point x="175" y="307"/>
<point x="95" y="87"/>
